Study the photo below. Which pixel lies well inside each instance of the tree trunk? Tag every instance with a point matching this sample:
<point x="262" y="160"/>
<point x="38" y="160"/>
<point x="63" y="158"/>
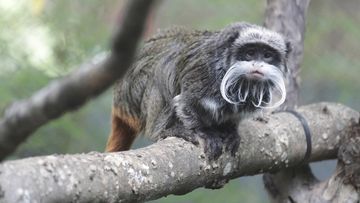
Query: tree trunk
<point x="298" y="184"/>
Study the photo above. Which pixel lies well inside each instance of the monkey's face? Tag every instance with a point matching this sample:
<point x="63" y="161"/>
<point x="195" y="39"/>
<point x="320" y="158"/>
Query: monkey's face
<point x="256" y="77"/>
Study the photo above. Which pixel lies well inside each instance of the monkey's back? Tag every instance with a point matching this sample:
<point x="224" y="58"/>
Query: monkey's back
<point x="153" y="80"/>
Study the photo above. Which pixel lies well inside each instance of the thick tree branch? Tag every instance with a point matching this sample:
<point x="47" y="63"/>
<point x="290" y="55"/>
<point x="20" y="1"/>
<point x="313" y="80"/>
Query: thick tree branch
<point x="299" y="184"/>
<point x="24" y="117"/>
<point x="174" y="166"/>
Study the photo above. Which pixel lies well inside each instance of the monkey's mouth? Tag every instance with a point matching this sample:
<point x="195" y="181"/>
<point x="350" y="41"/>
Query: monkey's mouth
<point x="245" y="85"/>
<point x="255" y="74"/>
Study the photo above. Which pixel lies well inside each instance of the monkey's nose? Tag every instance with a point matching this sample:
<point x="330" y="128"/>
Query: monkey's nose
<point x="256" y="64"/>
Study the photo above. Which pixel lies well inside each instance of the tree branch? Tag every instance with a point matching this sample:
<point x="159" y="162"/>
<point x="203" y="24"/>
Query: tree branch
<point x="174" y="166"/>
<point x="300" y="185"/>
<point x="24" y="117"/>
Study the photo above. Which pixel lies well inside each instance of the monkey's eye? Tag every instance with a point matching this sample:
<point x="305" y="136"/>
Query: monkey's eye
<point x="268" y="56"/>
<point x="250" y="53"/>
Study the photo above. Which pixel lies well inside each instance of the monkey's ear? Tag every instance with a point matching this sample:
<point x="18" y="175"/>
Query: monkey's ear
<point x="287" y="52"/>
<point x="288" y="49"/>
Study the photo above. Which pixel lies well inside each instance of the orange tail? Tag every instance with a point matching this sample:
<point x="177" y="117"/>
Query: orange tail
<point x="124" y="129"/>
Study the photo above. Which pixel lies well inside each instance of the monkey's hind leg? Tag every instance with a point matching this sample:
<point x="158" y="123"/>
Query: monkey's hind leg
<point x="124" y="129"/>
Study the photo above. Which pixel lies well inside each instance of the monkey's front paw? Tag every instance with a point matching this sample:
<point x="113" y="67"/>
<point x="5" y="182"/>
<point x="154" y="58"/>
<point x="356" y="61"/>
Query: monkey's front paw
<point x="232" y="142"/>
<point x="215" y="141"/>
<point x="213" y="145"/>
<point x="188" y="136"/>
<point x="180" y="132"/>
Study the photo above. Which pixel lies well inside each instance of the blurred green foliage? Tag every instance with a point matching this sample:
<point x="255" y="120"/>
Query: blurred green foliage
<point x="43" y="40"/>
<point x="331" y="66"/>
<point x="43" y="44"/>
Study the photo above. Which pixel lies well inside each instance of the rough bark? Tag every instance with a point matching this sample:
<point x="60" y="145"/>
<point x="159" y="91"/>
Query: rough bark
<point x="342" y="186"/>
<point x="174" y="166"/>
<point x="67" y="94"/>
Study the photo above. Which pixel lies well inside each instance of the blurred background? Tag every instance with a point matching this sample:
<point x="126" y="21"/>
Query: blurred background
<point x="42" y="40"/>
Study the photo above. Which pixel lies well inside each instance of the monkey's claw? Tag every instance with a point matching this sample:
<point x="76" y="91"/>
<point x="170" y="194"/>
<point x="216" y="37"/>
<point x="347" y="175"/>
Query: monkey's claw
<point x="180" y="132"/>
<point x="213" y="147"/>
<point x="216" y="141"/>
<point x="232" y="142"/>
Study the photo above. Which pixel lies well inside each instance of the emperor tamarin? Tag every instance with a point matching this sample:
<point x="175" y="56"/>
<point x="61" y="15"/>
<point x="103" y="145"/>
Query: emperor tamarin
<point x="199" y="85"/>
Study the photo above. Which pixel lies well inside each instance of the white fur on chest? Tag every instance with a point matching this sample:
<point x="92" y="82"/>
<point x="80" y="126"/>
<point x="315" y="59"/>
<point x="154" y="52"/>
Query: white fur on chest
<point x="210" y="104"/>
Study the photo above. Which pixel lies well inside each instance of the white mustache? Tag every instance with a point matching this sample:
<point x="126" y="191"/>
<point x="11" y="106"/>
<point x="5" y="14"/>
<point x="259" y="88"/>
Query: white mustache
<point x="272" y="75"/>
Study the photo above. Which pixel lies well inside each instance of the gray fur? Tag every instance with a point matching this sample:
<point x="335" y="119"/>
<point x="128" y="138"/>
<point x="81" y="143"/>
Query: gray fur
<point x="177" y="76"/>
